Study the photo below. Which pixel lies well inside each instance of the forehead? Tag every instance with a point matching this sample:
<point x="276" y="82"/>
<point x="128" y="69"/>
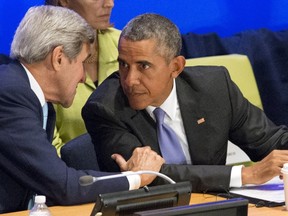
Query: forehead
<point x="143" y="48"/>
<point x="87" y="4"/>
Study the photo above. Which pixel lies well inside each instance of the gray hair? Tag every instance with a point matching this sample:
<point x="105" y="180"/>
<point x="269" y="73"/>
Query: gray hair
<point x="154" y="26"/>
<point x="45" y="27"/>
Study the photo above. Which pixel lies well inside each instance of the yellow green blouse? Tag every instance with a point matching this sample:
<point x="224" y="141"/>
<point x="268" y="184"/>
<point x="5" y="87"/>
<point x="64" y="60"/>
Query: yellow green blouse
<point x="69" y="123"/>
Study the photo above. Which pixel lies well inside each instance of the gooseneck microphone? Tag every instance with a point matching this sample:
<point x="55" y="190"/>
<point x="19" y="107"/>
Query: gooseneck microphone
<point x="88" y="179"/>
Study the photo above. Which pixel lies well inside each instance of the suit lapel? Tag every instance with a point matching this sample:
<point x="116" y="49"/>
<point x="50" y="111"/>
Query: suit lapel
<point x="193" y="117"/>
<point x="142" y="125"/>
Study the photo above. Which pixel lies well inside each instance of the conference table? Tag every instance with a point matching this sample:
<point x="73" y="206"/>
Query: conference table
<point x="196" y="198"/>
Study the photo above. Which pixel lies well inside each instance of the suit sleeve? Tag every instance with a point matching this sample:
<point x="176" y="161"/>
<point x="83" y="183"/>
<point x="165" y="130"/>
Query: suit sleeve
<point x="251" y="129"/>
<point x="109" y="134"/>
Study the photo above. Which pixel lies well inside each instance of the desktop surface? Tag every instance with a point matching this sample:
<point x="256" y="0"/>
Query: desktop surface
<point x="196" y="198"/>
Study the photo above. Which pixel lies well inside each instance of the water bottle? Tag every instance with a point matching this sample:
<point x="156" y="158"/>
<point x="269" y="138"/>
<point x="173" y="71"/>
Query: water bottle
<point x="284" y="171"/>
<point x="40" y="208"/>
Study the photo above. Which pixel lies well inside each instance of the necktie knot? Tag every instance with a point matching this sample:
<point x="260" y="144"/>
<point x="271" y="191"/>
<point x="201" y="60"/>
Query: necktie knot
<point x="168" y="141"/>
<point x="159" y="115"/>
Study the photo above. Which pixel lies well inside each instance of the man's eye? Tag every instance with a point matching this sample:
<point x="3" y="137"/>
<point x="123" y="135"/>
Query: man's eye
<point x="123" y="64"/>
<point x="144" y="66"/>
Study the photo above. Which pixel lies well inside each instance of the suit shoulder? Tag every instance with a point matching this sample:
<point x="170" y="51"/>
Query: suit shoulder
<point x="203" y="71"/>
<point x="107" y="89"/>
<point x="201" y="77"/>
<point x="13" y="73"/>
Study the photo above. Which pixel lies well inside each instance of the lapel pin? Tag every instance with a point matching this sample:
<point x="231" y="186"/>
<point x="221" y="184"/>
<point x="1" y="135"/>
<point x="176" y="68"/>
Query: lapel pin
<point x="200" y="121"/>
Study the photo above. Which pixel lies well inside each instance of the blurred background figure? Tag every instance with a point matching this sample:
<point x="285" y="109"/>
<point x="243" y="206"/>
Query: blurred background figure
<point x="102" y="62"/>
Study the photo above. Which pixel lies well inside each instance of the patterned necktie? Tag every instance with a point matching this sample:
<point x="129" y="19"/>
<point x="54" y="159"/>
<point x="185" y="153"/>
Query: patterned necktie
<point x="168" y="141"/>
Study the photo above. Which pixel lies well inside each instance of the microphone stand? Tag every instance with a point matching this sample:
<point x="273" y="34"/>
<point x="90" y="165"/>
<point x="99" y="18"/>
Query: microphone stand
<point x="88" y="179"/>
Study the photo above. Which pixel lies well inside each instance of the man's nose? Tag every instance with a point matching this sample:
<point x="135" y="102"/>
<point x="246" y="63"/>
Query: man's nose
<point x="109" y="3"/>
<point x="132" y="78"/>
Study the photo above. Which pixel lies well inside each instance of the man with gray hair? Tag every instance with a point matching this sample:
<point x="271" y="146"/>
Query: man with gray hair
<point x="48" y="51"/>
<point x="186" y="114"/>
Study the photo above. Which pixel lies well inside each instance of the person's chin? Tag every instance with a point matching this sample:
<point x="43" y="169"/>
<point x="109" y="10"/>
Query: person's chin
<point x="136" y="105"/>
<point x="102" y="24"/>
<point x="67" y="104"/>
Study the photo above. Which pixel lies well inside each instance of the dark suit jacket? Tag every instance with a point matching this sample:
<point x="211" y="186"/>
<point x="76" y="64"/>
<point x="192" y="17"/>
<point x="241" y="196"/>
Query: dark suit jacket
<point x="203" y="92"/>
<point x="4" y="59"/>
<point x="28" y="161"/>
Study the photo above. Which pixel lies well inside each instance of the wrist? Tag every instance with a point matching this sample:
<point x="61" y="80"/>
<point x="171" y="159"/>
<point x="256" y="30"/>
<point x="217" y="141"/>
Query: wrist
<point x="247" y="175"/>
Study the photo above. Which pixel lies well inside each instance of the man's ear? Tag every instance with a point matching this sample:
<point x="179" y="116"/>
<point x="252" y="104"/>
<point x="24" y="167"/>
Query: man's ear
<point x="57" y="57"/>
<point x="178" y="64"/>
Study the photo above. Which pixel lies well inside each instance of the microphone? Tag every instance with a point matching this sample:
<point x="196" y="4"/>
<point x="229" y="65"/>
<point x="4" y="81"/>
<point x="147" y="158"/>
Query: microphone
<point x="88" y="179"/>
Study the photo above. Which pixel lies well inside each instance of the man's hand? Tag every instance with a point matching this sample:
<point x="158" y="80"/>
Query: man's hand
<point x="142" y="159"/>
<point x="265" y="169"/>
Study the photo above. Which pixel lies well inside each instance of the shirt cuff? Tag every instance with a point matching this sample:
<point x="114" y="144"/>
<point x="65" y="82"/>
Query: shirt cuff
<point x="134" y="181"/>
<point x="236" y="176"/>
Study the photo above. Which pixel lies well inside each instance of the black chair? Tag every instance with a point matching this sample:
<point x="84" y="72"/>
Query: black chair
<point x="79" y="153"/>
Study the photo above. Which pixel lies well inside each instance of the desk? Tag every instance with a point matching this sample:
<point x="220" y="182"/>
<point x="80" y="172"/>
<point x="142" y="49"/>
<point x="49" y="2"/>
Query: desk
<point x="85" y="209"/>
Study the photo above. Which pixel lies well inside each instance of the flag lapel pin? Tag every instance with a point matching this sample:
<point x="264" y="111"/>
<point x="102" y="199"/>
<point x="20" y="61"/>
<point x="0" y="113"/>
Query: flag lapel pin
<point x="200" y="121"/>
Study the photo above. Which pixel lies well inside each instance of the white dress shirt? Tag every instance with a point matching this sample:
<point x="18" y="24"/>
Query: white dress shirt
<point x="39" y="93"/>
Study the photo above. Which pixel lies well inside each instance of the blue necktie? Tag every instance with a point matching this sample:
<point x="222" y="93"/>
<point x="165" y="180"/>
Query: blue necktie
<point x="168" y="141"/>
<point x="45" y="115"/>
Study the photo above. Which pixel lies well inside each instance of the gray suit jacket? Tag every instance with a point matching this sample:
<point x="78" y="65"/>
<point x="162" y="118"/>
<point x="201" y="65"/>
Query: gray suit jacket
<point x="203" y="92"/>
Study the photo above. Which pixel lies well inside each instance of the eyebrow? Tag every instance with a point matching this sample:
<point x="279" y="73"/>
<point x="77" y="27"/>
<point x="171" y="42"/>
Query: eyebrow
<point x="144" y="62"/>
<point x="138" y="62"/>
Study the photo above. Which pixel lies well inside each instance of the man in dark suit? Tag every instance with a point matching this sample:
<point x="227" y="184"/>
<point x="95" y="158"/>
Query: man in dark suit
<point x="48" y="49"/>
<point x="4" y="59"/>
<point x="201" y="104"/>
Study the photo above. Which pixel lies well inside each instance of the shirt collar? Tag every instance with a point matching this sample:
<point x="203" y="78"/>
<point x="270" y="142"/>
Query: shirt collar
<point x="170" y="105"/>
<point x="35" y="87"/>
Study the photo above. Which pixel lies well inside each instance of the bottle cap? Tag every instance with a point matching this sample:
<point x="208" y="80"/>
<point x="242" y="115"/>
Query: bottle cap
<point x="40" y="199"/>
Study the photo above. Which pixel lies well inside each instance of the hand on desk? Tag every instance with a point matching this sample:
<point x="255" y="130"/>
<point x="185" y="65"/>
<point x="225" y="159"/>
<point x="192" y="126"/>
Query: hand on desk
<point x="265" y="169"/>
<point x="143" y="158"/>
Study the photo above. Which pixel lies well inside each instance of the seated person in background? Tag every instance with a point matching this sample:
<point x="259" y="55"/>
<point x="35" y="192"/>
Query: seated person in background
<point x="101" y="63"/>
<point x="49" y="48"/>
<point x="201" y="104"/>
